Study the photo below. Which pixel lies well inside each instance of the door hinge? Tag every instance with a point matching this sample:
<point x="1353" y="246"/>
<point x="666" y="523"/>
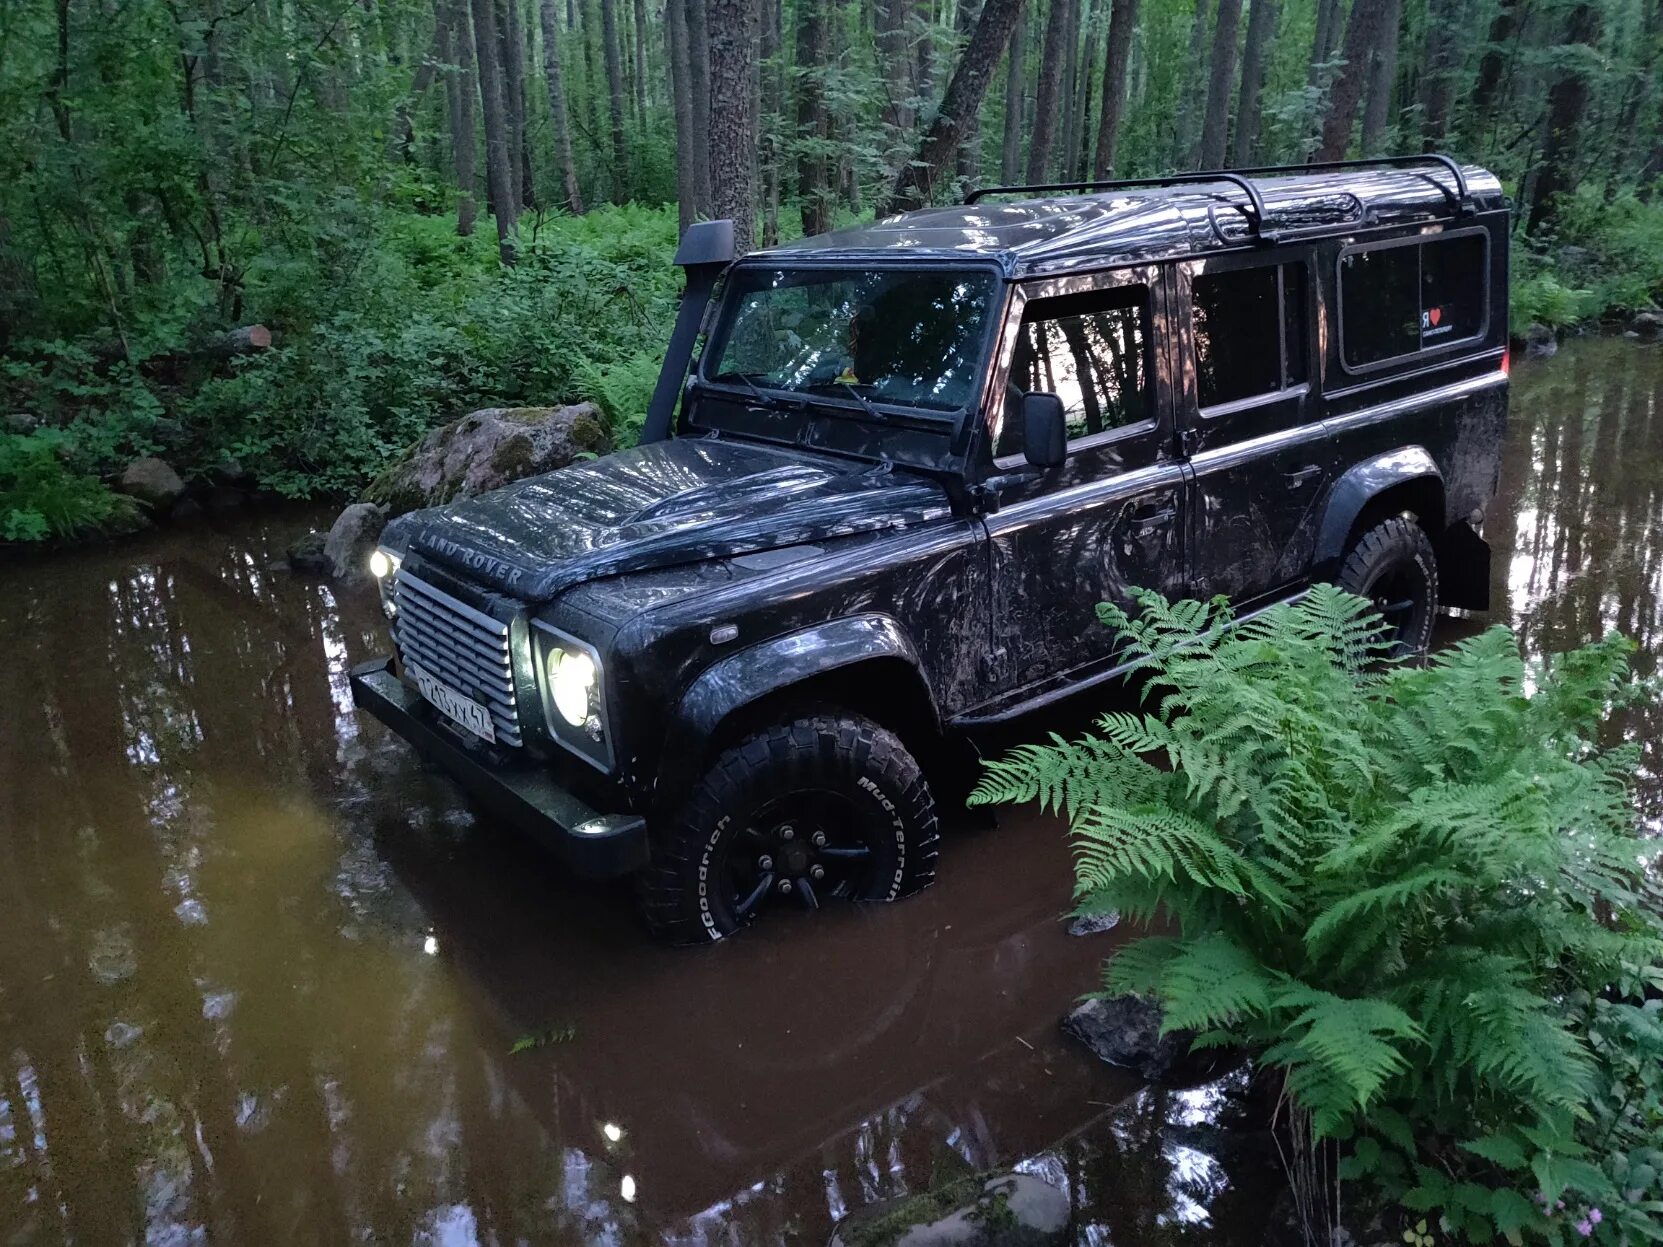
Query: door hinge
<point x="1189" y="441"/>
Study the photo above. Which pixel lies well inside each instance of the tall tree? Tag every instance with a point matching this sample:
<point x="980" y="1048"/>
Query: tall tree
<point x="1362" y="35"/>
<point x="1261" y="29"/>
<point x="894" y="38"/>
<point x="1323" y="38"/>
<point x="1382" y="83"/>
<point x="1438" y="54"/>
<point x="457" y="29"/>
<point x="690" y="148"/>
<point x="558" y="121"/>
<point x="732" y="119"/>
<point x="698" y="84"/>
<point x="772" y="105"/>
<point x="919" y="177"/>
<point x="615" y="100"/>
<point x="1010" y="156"/>
<point x="1059" y="26"/>
<point x="1191" y="75"/>
<point x="1567" y="107"/>
<point x="1492" y="66"/>
<point x="1117" y="55"/>
<point x="511" y="46"/>
<point x="1221" y="76"/>
<point x="642" y="95"/>
<point x="813" y="195"/>
<point x="499" y="174"/>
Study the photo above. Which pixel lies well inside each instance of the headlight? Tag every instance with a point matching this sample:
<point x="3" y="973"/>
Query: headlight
<point x="381" y="564"/>
<point x="571" y="675"/>
<point x="384" y="565"/>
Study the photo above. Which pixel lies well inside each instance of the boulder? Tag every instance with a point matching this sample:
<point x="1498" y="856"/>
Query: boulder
<point x="487" y="449"/>
<point x="351" y="539"/>
<point x="1005" y="1210"/>
<point x="1094" y="924"/>
<point x="20" y="422"/>
<point x="1126" y="1031"/>
<point x="1648" y="325"/>
<point x="1540" y="342"/>
<point x="152" y="482"/>
<point x="307" y="555"/>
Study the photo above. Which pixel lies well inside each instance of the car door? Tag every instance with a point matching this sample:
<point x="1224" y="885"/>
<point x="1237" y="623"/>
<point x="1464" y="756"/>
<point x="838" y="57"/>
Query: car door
<point x="1261" y="458"/>
<point x="1107" y="518"/>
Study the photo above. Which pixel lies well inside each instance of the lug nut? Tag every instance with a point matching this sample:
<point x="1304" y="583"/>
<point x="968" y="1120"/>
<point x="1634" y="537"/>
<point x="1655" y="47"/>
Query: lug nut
<point x="785" y="886"/>
<point x="818" y="871"/>
<point x="786" y="832"/>
<point x="819" y="839"/>
<point x="764" y="862"/>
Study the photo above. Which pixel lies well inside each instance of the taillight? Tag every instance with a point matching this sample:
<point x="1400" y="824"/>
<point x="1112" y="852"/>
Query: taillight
<point x="1507" y="360"/>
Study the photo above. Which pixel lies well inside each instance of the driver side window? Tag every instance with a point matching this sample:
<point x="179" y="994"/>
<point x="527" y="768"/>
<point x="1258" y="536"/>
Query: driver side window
<point x="1092" y="351"/>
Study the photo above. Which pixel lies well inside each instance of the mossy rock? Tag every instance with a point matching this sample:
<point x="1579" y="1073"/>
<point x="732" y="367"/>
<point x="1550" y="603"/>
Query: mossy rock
<point x="980" y="1210"/>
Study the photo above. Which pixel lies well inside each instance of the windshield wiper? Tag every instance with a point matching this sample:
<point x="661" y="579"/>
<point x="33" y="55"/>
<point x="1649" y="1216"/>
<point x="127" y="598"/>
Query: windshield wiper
<point x="848" y="388"/>
<point x="773" y="401"/>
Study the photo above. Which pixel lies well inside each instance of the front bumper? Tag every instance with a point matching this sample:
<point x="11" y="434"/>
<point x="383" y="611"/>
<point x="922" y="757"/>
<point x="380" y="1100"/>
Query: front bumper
<point x="594" y="845"/>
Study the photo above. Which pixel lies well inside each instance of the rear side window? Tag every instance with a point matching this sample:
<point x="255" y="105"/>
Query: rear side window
<point x="1403" y="298"/>
<point x="1249" y="337"/>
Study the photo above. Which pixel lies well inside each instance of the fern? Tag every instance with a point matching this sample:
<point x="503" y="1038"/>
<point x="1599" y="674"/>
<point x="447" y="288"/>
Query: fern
<point x="1394" y="882"/>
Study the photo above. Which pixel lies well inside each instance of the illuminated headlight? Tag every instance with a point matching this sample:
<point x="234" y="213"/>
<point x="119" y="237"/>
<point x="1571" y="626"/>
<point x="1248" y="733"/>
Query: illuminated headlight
<point x="571" y="675"/>
<point x="381" y="565"/>
<point x="384" y="566"/>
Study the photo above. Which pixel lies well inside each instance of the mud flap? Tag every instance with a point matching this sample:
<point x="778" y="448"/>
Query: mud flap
<point x="1463" y="569"/>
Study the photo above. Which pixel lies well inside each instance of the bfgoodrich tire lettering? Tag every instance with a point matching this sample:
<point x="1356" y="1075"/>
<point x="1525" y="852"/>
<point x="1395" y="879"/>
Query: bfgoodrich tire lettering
<point x="832" y="805"/>
<point x="1393" y="565"/>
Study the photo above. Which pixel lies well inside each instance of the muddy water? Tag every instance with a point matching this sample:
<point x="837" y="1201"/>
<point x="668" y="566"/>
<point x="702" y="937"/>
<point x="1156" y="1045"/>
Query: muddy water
<point x="262" y="979"/>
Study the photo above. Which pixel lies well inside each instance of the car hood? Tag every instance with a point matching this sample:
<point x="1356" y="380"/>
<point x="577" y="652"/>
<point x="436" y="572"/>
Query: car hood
<point x="661" y="505"/>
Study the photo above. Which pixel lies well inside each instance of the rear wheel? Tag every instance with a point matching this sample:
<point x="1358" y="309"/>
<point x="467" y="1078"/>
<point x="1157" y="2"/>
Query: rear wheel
<point x="825" y="807"/>
<point x="1393" y="565"/>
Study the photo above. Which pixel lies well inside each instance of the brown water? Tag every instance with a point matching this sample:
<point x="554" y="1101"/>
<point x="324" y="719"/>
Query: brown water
<point x="260" y="976"/>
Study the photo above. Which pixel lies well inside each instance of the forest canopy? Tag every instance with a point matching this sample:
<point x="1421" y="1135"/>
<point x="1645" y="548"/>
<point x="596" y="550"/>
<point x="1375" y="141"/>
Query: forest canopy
<point x="435" y="203"/>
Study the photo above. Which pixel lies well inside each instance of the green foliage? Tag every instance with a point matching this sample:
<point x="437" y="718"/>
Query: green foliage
<point x="42" y="497"/>
<point x="1417" y="890"/>
<point x="1605" y="256"/>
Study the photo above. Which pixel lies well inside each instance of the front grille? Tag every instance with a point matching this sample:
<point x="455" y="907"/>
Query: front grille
<point x="464" y="647"/>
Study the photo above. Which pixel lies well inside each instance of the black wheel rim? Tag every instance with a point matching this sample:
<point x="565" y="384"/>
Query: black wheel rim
<point x="1399" y="595"/>
<point x="799" y="850"/>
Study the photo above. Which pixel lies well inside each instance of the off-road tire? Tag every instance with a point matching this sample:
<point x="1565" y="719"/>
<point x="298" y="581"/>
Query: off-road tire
<point x="1396" y="555"/>
<point x="867" y="765"/>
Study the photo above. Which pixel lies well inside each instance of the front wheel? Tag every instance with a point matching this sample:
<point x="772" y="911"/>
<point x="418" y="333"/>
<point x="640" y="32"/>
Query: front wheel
<point x="826" y="807"/>
<point x="1393" y="565"/>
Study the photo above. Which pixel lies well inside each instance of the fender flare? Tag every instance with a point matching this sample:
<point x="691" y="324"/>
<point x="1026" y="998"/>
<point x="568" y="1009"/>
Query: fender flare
<point x="1360" y="484"/>
<point x="748" y="675"/>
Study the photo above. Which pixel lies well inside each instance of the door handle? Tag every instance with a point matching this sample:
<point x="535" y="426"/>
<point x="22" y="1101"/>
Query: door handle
<point x="1143" y="525"/>
<point x="1304" y="474"/>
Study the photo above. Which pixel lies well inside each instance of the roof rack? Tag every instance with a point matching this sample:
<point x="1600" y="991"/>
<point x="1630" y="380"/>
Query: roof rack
<point x="1460" y="199"/>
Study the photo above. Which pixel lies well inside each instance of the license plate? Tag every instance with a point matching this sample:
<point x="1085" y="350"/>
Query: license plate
<point x="459" y="708"/>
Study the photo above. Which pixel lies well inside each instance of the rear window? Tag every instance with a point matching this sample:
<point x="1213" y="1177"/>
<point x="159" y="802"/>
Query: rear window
<point x="1403" y="298"/>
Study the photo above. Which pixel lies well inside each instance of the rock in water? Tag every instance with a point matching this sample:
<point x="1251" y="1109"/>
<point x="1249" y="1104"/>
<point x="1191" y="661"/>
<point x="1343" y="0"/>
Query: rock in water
<point x="1094" y="924"/>
<point x="1006" y="1210"/>
<point x="1540" y="342"/>
<point x="308" y="556"/>
<point x="352" y="537"/>
<point x="487" y="449"/>
<point x="1648" y="324"/>
<point x="152" y="482"/>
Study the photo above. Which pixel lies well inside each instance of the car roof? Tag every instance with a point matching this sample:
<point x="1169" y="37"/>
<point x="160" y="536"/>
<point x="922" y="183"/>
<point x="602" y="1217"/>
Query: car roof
<point x="1135" y="223"/>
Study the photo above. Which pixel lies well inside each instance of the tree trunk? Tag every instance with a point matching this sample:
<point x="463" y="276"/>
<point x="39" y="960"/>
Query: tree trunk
<point x="1010" y="155"/>
<point x="1221" y="76"/>
<point x="970" y="142"/>
<point x="1066" y="138"/>
<point x="1382" y="84"/>
<point x="773" y="117"/>
<point x="1193" y="74"/>
<point x="459" y="93"/>
<point x="1362" y="35"/>
<point x="919" y="177"/>
<point x="1261" y="29"/>
<point x="641" y="60"/>
<point x="814" y="201"/>
<point x="615" y="100"/>
<point x="557" y="107"/>
<point x="1443" y="30"/>
<point x="689" y="151"/>
<point x="1117" y="55"/>
<point x="1567" y="105"/>
<point x="1322" y="42"/>
<point x="1492" y="65"/>
<point x="894" y="30"/>
<point x="499" y="175"/>
<point x="512" y="48"/>
<point x="698" y="82"/>
<point x="1058" y="28"/>
<point x="732" y="119"/>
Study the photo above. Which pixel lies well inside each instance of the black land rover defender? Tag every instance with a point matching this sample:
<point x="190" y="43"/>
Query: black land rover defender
<point x="908" y="461"/>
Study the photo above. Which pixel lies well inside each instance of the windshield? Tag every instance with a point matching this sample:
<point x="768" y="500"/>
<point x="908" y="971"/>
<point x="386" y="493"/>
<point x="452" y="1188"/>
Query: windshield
<point x="912" y="337"/>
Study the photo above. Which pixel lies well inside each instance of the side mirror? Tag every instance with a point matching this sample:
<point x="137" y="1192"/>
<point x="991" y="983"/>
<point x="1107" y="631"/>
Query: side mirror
<point x="1044" y="430"/>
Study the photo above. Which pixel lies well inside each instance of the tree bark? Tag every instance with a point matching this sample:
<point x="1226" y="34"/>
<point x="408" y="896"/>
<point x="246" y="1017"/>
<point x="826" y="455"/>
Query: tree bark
<point x="459" y="92"/>
<point x="1193" y="74"/>
<point x="698" y="84"/>
<point x="558" y="120"/>
<point x="918" y="178"/>
<point x="732" y="119"/>
<point x="512" y="49"/>
<point x="1117" y="55"/>
<point x="1443" y="21"/>
<point x="894" y="38"/>
<point x="1221" y="76"/>
<point x="1010" y="154"/>
<point x="1261" y="29"/>
<point x="1052" y="62"/>
<point x="812" y="195"/>
<point x="1322" y="42"/>
<point x="689" y="151"/>
<point x="773" y="117"/>
<point x="1362" y="36"/>
<point x="641" y="60"/>
<point x="1493" y="65"/>
<point x="499" y="175"/>
<point x="1567" y="105"/>
<point x="615" y="100"/>
<point x="1382" y="84"/>
<point x="970" y="142"/>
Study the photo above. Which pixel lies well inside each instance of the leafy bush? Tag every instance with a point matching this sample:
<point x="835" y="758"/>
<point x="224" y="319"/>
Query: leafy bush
<point x="42" y="497"/>
<point x="1415" y="890"/>
<point x="1605" y="256"/>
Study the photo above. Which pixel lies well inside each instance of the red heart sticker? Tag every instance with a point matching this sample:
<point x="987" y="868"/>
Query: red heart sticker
<point x="1437" y="314"/>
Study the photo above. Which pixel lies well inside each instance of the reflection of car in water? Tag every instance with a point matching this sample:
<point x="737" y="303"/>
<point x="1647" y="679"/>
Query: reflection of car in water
<point x="785" y="1056"/>
<point x="739" y="663"/>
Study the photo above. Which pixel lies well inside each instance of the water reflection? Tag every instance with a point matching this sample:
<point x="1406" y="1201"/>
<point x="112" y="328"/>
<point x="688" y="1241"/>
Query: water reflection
<point x="261" y="977"/>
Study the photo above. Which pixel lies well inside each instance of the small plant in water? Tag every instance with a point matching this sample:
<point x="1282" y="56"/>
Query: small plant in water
<point x="1417" y="891"/>
<point x="544" y="1038"/>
